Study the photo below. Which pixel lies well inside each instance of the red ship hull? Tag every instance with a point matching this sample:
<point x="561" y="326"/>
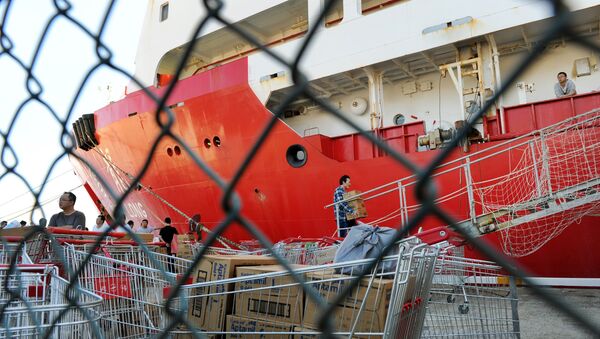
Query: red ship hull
<point x="280" y="200"/>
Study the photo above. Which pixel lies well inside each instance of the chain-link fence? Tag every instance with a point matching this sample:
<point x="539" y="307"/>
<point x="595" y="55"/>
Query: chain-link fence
<point x="231" y="203"/>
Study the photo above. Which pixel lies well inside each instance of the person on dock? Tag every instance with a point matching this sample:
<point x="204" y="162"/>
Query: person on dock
<point x="23" y="223"/>
<point x="69" y="216"/>
<point x="169" y="234"/>
<point x="12" y="224"/>
<point x="101" y="224"/>
<point x="144" y="228"/>
<point x="342" y="208"/>
<point x="3" y="224"/>
<point x="130" y="224"/>
<point x="564" y="87"/>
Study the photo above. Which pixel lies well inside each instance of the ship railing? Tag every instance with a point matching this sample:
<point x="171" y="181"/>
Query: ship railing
<point x="514" y="143"/>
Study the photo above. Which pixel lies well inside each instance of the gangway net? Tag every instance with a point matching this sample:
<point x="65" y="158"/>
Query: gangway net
<point x="529" y="189"/>
<point x="554" y="184"/>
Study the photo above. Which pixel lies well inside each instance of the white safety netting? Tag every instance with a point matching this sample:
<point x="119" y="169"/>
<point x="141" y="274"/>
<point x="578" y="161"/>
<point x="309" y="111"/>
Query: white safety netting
<point x="553" y="185"/>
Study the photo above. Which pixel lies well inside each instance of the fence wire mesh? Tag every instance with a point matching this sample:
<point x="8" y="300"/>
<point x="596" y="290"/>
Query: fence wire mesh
<point x="561" y="27"/>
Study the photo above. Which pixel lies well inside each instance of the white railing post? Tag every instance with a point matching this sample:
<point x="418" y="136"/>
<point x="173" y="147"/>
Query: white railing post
<point x="337" y="218"/>
<point x="538" y="183"/>
<point x="403" y="210"/>
<point x="470" y="196"/>
<point x="545" y="163"/>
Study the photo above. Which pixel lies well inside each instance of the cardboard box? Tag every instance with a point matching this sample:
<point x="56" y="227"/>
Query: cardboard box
<point x="242" y="324"/>
<point x="184" y="246"/>
<point x="208" y="313"/>
<point x="375" y="298"/>
<point x="281" y="304"/>
<point x="357" y="204"/>
<point x="17" y="231"/>
<point x="144" y="237"/>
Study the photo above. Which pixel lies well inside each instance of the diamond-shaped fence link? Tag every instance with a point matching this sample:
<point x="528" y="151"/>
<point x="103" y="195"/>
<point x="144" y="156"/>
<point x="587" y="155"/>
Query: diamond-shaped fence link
<point x="70" y="302"/>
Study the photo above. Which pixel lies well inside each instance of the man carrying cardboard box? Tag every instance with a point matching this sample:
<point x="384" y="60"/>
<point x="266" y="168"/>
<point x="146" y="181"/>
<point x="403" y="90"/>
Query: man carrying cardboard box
<point x="342" y="208"/>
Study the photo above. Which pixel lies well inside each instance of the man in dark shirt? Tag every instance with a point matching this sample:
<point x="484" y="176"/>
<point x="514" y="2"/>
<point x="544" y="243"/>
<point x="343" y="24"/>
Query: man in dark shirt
<point x="69" y="216"/>
<point x="167" y="233"/>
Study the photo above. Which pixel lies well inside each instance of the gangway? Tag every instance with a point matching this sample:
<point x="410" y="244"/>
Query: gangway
<point x="561" y="201"/>
<point x="552" y="180"/>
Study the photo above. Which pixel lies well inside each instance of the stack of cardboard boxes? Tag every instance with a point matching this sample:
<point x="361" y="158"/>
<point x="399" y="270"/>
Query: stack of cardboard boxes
<point x="275" y="303"/>
<point x="266" y="304"/>
<point x="373" y="296"/>
<point x="209" y="313"/>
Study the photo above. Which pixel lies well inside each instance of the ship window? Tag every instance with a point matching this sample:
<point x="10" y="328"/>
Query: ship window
<point x="296" y="156"/>
<point x="170" y="151"/>
<point x="207" y="143"/>
<point x="177" y="150"/>
<point x="217" y="141"/>
<point x="164" y="11"/>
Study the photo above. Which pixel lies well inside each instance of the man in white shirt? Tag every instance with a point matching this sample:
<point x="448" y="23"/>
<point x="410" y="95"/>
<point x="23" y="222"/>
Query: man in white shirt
<point x="564" y="87"/>
<point x="13" y="224"/>
<point x="100" y="225"/>
<point x="144" y="228"/>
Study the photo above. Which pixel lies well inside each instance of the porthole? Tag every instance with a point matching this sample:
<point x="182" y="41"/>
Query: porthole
<point x="399" y="119"/>
<point x="207" y="143"/>
<point x="177" y="150"/>
<point x="170" y="151"/>
<point x="217" y="141"/>
<point x="296" y="156"/>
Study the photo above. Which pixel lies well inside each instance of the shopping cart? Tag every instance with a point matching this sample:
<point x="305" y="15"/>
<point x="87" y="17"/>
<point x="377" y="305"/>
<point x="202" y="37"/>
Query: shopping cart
<point x="34" y="303"/>
<point x="471" y="298"/>
<point x="133" y="292"/>
<point x="268" y="301"/>
<point x="41" y="245"/>
<point x="11" y="249"/>
<point x="123" y="250"/>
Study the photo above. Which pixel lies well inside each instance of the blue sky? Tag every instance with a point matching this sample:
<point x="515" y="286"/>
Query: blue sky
<point x="66" y="56"/>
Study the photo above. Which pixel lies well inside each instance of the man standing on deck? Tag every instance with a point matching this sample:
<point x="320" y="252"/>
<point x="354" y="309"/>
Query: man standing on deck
<point x="342" y="208"/>
<point x="69" y="216"/>
<point x="564" y="87"/>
